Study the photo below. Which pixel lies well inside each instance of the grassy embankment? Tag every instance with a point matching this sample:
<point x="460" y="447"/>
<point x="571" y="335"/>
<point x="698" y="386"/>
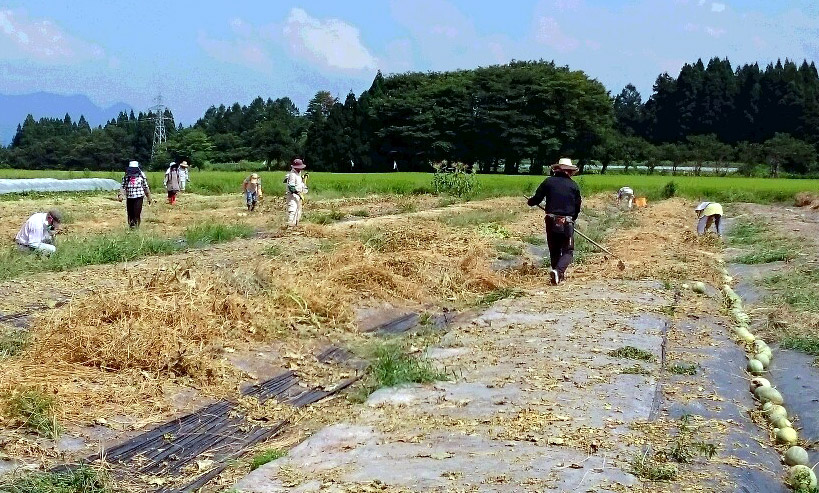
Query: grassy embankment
<point x="332" y="185"/>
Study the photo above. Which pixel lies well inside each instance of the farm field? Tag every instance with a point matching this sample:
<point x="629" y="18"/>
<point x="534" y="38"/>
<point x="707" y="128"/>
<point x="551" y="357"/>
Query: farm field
<point x="334" y="185"/>
<point x="208" y="299"/>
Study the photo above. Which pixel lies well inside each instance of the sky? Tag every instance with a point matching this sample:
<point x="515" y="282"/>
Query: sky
<point x="202" y="53"/>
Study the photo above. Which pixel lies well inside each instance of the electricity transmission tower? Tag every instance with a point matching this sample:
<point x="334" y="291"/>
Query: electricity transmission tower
<point x="159" y="128"/>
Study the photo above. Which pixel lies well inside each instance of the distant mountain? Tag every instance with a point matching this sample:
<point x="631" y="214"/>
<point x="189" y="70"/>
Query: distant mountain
<point x="14" y="109"/>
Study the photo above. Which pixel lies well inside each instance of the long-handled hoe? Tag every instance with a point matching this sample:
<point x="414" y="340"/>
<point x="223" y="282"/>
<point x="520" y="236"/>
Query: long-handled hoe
<point x="620" y="264"/>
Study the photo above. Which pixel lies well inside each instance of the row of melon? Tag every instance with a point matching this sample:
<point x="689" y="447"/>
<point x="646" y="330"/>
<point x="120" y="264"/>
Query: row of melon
<point x="760" y="355"/>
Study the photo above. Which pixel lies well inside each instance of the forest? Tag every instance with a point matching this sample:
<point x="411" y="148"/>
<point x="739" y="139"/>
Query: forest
<point x="511" y="118"/>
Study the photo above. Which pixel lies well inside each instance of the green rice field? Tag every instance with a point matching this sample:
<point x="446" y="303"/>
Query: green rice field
<point x="330" y="185"/>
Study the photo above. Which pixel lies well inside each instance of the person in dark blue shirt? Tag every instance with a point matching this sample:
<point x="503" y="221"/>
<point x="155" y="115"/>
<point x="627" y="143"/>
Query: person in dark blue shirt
<point x="562" y="196"/>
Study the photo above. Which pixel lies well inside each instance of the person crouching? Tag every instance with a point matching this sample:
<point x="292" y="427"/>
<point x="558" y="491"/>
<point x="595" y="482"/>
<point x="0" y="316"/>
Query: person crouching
<point x="563" y="201"/>
<point x="37" y="233"/>
<point x="709" y="213"/>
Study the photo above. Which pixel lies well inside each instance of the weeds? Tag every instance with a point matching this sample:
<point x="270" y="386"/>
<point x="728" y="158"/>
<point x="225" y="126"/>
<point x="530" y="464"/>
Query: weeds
<point x="361" y="213"/>
<point x="512" y="250"/>
<point x="764" y="245"/>
<point x="497" y="295"/>
<point x="273" y="251"/>
<point x="476" y="218"/>
<point x="36" y="410"/>
<point x="597" y="228"/>
<point x="266" y="456"/>
<point x="390" y="365"/>
<point x="12" y="342"/>
<point x="406" y="206"/>
<point x="635" y="370"/>
<point x="82" y="479"/>
<point x="631" y="352"/>
<point x="683" y="369"/>
<point x="684" y="450"/>
<point x="536" y="240"/>
<point x="807" y="345"/>
<point x="211" y="233"/>
<point x="796" y="288"/>
<point x="320" y="217"/>
<point x="669" y="190"/>
<point x="648" y="468"/>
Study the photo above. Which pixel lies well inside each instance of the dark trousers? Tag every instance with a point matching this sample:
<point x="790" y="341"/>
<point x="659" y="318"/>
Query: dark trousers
<point x="172" y="196"/>
<point x="134" y="208"/>
<point x="560" y="239"/>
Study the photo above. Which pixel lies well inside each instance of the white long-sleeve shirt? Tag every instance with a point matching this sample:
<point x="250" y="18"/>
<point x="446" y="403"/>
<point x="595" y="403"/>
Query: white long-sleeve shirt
<point x="34" y="231"/>
<point x="295" y="183"/>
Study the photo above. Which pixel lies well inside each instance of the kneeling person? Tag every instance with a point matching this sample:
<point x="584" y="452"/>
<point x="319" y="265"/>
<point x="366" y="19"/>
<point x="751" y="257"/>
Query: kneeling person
<point x="562" y="208"/>
<point x="37" y="233"/>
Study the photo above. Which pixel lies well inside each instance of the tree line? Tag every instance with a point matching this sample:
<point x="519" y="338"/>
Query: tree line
<point x="508" y="118"/>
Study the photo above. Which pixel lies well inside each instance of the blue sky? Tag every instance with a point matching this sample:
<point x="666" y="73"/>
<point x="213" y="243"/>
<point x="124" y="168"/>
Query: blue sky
<point x="201" y="53"/>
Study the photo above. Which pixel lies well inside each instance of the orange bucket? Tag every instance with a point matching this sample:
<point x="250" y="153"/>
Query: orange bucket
<point x="640" y="202"/>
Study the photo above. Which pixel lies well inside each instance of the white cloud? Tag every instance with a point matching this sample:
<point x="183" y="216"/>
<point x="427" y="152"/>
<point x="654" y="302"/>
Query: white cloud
<point x="42" y="40"/>
<point x="330" y="43"/>
<point x="715" y="32"/>
<point x="551" y="34"/>
<point x="717" y="7"/>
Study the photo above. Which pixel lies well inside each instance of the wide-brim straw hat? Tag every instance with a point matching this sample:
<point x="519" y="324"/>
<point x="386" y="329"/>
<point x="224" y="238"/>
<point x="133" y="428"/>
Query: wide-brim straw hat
<point x="184" y="164"/>
<point x="298" y="164"/>
<point x="565" y="164"/>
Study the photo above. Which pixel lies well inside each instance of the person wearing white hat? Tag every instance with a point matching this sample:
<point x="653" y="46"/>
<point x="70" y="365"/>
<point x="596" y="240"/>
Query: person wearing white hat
<point x="709" y="213"/>
<point x="296" y="188"/>
<point x="135" y="189"/>
<point x="252" y="187"/>
<point x="627" y="194"/>
<point x="562" y="207"/>
<point x="184" y="177"/>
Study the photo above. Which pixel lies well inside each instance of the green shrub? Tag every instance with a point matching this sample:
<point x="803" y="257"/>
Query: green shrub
<point x="669" y="190"/>
<point x="12" y="342"/>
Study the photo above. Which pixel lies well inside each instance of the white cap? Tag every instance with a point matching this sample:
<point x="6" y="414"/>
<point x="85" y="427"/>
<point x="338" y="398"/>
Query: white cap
<point x="133" y="164"/>
<point x="702" y="206"/>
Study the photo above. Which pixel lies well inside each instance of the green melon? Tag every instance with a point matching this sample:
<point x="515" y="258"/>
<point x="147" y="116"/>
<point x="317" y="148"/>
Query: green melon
<point x="759" y="382"/>
<point x="786" y="435"/>
<point x="775" y="412"/>
<point x="782" y="423"/>
<point x="801" y="476"/>
<point x="796" y="456"/>
<point x="699" y="287"/>
<point x="769" y="394"/>
<point x="755" y="367"/>
<point x="763" y="358"/>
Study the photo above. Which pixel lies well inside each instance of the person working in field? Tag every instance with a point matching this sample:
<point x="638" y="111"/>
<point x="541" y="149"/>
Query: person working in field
<point x="135" y="190"/>
<point x="184" y="178"/>
<point x="625" y="194"/>
<point x="563" y="200"/>
<point x="252" y="187"/>
<point x="173" y="182"/>
<point x="37" y="233"/>
<point x="709" y="213"/>
<point x="296" y="188"/>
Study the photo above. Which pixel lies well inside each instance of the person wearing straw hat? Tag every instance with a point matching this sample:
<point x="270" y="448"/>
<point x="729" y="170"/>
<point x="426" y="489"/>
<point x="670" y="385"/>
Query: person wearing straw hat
<point x="562" y="196"/>
<point x="135" y="189"/>
<point x="252" y="187"/>
<point x="296" y="188"/>
<point x="37" y="233"/>
<point x="184" y="178"/>
<point x="709" y="213"/>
